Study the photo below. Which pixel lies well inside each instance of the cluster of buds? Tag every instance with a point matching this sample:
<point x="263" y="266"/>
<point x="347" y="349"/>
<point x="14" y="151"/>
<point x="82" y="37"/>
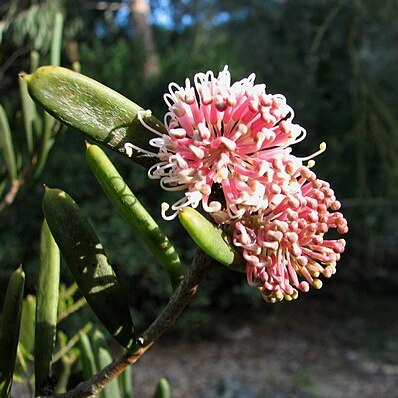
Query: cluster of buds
<point x="228" y="148"/>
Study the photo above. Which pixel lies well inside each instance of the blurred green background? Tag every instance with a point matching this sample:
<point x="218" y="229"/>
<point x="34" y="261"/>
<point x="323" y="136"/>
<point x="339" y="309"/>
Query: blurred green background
<point x="335" y="61"/>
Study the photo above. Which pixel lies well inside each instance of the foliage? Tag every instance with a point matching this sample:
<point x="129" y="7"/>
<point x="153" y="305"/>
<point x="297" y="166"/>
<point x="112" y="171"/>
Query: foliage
<point x="25" y="161"/>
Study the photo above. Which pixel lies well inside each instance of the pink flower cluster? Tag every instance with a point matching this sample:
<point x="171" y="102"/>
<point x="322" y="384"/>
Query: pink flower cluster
<point x="284" y="244"/>
<point x="228" y="147"/>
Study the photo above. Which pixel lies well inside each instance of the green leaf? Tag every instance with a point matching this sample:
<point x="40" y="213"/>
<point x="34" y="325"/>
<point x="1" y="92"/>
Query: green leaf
<point x="56" y="42"/>
<point x="87" y="360"/>
<point x="34" y="60"/>
<point x="46" y="142"/>
<point x="7" y="145"/>
<point x="50" y="125"/>
<point x="211" y="239"/>
<point x="29" y="113"/>
<point x="134" y="213"/>
<point x="64" y="369"/>
<point x="9" y="330"/>
<point x="96" y="110"/>
<point x="86" y="258"/>
<point x="47" y="291"/>
<point x="162" y="389"/>
<point x="112" y="389"/>
<point x="3" y="183"/>
<point x="98" y="342"/>
<point x="126" y="383"/>
<point x="27" y="335"/>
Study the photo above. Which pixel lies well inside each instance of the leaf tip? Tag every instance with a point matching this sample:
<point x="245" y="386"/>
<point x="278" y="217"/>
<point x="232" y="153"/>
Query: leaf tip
<point x="20" y="271"/>
<point x="23" y="75"/>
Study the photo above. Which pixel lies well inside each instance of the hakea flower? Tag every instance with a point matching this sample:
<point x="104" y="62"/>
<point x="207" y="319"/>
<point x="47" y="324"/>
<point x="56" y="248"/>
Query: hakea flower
<point x="284" y="244"/>
<point x="222" y="144"/>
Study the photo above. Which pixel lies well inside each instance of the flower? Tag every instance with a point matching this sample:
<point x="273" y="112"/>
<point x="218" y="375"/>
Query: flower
<point x="284" y="244"/>
<point x="228" y="146"/>
<point x="222" y="144"/>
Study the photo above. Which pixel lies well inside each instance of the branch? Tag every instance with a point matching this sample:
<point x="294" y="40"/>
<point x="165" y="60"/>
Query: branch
<point x="70" y="310"/>
<point x="71" y="343"/>
<point x="16" y="185"/>
<point x="200" y="267"/>
<point x="11" y="194"/>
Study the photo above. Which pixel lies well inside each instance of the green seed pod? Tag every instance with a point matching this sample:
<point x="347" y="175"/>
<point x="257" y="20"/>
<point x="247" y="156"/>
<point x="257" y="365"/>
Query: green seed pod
<point x="86" y="258"/>
<point x="47" y="291"/>
<point x="134" y="213"/>
<point x="9" y="331"/>
<point x="211" y="239"/>
<point x="162" y="389"/>
<point x="96" y="110"/>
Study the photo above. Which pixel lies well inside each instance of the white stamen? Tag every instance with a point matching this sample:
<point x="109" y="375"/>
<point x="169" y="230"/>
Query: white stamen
<point x="129" y="150"/>
<point x="168" y="120"/>
<point x="212" y="207"/>
<point x="157" y="142"/>
<point x="146" y="113"/>
<point x="181" y="203"/>
<point x="164" y="208"/>
<point x="192" y="200"/>
<point x="128" y="147"/>
<point x="300" y="137"/>
<point x="174" y="88"/>
<point x="160" y="170"/>
<point x="174" y="184"/>
<point x="322" y="148"/>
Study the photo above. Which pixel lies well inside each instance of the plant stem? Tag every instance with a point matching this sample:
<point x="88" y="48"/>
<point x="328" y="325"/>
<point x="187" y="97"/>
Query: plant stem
<point x="200" y="267"/>
<point x="73" y="308"/>
<point x="17" y="185"/>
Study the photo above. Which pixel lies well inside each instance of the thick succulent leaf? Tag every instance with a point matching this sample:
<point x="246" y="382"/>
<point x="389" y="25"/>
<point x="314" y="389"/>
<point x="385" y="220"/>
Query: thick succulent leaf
<point x="87" y="361"/>
<point x="9" y="330"/>
<point x="211" y="239"/>
<point x="134" y="213"/>
<point x="29" y="113"/>
<point x="46" y="307"/>
<point x="162" y="389"/>
<point x="56" y="40"/>
<point x="6" y="145"/>
<point x="112" y="389"/>
<point x="96" y="110"/>
<point x="86" y="258"/>
<point x="27" y="335"/>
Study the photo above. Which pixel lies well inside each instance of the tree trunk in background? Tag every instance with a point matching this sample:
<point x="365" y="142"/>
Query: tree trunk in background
<point x="140" y="12"/>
